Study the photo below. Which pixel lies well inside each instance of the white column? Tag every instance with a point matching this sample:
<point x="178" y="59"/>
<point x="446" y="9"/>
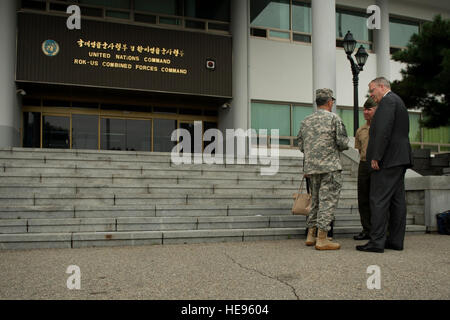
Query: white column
<point x="237" y="116"/>
<point x="381" y="41"/>
<point x="9" y="127"/>
<point x="324" y="45"/>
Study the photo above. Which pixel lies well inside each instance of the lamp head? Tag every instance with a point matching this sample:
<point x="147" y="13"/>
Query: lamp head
<point x="349" y="43"/>
<point x="361" y="56"/>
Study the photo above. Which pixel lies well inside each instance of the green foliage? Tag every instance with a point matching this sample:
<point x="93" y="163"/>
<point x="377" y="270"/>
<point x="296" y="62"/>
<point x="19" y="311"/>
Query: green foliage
<point x="426" y="79"/>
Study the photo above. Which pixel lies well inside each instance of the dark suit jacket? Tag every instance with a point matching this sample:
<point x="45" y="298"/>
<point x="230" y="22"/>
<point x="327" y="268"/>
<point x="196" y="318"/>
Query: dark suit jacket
<point x="389" y="134"/>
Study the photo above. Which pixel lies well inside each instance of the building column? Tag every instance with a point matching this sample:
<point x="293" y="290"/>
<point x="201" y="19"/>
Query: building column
<point x="381" y="41"/>
<point x="324" y="45"/>
<point x="9" y="108"/>
<point x="237" y="115"/>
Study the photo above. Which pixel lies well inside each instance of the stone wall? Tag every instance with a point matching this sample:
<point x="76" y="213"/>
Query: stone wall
<point x="415" y="205"/>
<point x="431" y="192"/>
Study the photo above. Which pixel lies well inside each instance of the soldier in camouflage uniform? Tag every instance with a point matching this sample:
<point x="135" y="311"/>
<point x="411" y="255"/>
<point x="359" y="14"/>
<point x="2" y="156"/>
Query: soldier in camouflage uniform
<point x="321" y="137"/>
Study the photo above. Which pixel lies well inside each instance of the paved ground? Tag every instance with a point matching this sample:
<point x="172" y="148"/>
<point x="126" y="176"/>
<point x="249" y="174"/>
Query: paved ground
<point x="284" y="269"/>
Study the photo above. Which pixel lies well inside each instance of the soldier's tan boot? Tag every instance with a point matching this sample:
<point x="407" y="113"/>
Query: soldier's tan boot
<point x="322" y="242"/>
<point x="311" y="237"/>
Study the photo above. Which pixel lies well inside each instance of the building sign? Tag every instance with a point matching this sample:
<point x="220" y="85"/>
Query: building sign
<point x="113" y="55"/>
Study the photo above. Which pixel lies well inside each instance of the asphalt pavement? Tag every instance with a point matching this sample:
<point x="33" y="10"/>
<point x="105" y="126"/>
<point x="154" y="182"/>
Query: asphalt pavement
<point x="274" y="270"/>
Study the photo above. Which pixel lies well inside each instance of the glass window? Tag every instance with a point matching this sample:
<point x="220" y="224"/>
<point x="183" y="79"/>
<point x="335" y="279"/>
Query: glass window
<point x="272" y="116"/>
<point x="162" y="132"/>
<point x="279" y="34"/>
<point x="347" y="118"/>
<point x="172" y="21"/>
<point x="207" y="9"/>
<point x="55" y="132"/>
<point x="121" y="4"/>
<point x="355" y="23"/>
<point x="436" y="135"/>
<point x="125" y="134"/>
<point x="169" y="7"/>
<point x="298" y="114"/>
<point x="92" y="12"/>
<point x="195" y="24"/>
<point x="400" y="31"/>
<point x="414" y="127"/>
<point x="32" y="129"/>
<point x="118" y="14"/>
<point x="35" y="5"/>
<point x="301" y="17"/>
<point x="270" y="14"/>
<point x="84" y="131"/>
<point x="145" y="18"/>
<point x="139" y="135"/>
<point x="112" y="134"/>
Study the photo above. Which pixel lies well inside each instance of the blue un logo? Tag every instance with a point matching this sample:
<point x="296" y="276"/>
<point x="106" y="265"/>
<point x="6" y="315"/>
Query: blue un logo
<point x="50" y="48"/>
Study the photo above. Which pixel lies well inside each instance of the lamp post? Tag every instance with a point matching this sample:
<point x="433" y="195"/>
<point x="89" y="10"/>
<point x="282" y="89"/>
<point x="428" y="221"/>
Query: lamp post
<point x="361" y="58"/>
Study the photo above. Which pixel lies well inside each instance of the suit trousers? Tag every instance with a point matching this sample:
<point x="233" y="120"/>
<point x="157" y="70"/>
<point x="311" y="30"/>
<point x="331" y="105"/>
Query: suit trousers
<point x="388" y="206"/>
<point x="364" y="194"/>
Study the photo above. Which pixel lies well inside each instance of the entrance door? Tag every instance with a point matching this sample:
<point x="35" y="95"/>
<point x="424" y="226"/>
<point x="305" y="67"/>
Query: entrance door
<point x="125" y="134"/>
<point x="56" y="132"/>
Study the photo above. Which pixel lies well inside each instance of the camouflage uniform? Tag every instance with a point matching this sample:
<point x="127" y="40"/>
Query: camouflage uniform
<point x="321" y="137"/>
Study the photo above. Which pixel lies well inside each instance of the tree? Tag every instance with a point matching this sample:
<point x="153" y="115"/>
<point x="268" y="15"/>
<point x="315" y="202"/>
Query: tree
<point x="426" y="79"/>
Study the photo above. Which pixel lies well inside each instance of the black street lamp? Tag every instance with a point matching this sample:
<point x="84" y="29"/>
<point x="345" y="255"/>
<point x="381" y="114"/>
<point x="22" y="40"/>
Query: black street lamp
<point x="361" y="58"/>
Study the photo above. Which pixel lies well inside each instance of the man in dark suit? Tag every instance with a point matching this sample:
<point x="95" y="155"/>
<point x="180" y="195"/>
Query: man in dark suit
<point x="389" y="153"/>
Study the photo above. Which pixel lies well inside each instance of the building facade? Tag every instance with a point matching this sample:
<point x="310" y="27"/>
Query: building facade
<point x="136" y="70"/>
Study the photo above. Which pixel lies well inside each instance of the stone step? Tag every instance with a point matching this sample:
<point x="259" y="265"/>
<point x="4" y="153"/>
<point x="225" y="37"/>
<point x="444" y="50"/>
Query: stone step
<point x="14" y="164"/>
<point x="136" y="163"/>
<point x="158" y="172"/>
<point x="53" y="198"/>
<point x="150" y="199"/>
<point x="8" y="226"/>
<point x="133" y="238"/>
<point x="157" y="178"/>
<point x="13" y="189"/>
<point x="123" y="159"/>
<point x="109" y="155"/>
<point x="168" y="210"/>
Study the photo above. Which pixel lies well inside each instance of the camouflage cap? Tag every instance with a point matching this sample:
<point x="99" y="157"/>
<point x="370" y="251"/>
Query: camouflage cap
<point x="324" y="94"/>
<point x="369" y="103"/>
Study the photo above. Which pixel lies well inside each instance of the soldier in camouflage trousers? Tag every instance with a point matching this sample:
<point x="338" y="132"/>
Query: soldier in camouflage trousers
<point x="321" y="137"/>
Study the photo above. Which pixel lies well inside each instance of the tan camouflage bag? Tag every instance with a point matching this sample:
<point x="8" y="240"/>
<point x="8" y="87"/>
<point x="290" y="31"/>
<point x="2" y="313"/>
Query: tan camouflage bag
<point x="302" y="202"/>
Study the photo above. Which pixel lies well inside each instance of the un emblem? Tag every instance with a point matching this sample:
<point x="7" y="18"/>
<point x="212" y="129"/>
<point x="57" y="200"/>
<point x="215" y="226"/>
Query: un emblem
<point x="50" y="48"/>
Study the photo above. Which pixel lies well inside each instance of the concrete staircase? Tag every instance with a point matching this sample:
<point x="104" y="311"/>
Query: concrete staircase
<point x="53" y="198"/>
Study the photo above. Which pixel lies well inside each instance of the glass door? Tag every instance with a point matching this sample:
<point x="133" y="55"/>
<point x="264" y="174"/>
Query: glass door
<point x="125" y="134"/>
<point x="162" y="134"/>
<point x="56" y="131"/>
